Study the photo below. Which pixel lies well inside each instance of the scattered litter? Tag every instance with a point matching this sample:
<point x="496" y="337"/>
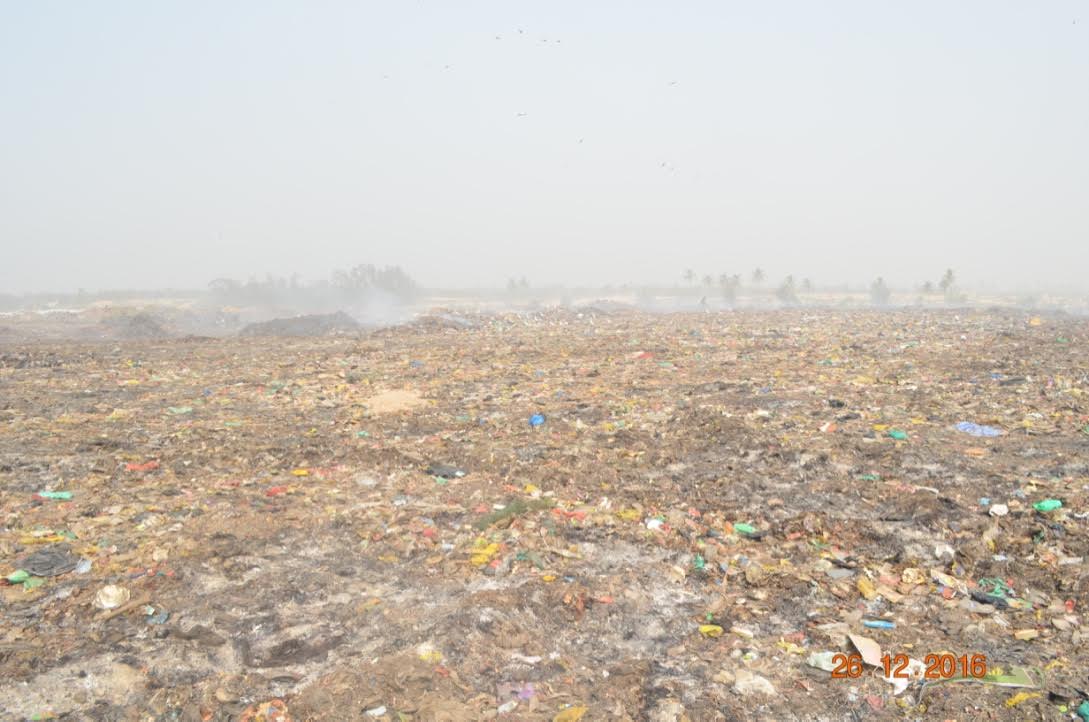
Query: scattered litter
<point x="712" y="536"/>
<point x="869" y="649"/>
<point x="111" y="596"/>
<point x="446" y="471"/>
<point x="271" y="711"/>
<point x="1048" y="505"/>
<point x="878" y="624"/>
<point x="974" y="429"/>
<point x="54" y="495"/>
<point x="51" y="561"/>
<point x="1022" y="697"/>
<point x="747" y="684"/>
<point x="571" y="714"/>
<point x="823" y="660"/>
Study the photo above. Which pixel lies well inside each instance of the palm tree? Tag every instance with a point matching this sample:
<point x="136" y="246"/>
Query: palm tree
<point x="786" y="292"/>
<point x="948" y="285"/>
<point x="879" y="292"/>
<point x="948" y="279"/>
<point x="758" y="275"/>
<point x="708" y="281"/>
<point x="807" y="285"/>
<point x="729" y="285"/>
<point x="689" y="276"/>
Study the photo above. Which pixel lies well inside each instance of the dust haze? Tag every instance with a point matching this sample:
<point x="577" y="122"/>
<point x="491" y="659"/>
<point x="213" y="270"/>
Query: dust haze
<point x="168" y="146"/>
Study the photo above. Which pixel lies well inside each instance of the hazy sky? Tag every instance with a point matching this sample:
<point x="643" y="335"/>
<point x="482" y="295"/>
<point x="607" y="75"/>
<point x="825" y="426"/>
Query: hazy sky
<point x="148" y="144"/>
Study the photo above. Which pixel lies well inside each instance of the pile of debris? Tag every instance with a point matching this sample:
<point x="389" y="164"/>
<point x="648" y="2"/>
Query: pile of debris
<point x="309" y="326"/>
<point x="798" y="514"/>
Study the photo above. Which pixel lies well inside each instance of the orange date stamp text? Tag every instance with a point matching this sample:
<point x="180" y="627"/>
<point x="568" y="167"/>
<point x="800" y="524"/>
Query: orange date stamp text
<point x="896" y="666"/>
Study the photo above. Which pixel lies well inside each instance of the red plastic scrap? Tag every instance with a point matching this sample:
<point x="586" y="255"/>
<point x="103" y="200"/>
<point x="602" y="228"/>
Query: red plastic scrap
<point x="147" y="466"/>
<point x="578" y="515"/>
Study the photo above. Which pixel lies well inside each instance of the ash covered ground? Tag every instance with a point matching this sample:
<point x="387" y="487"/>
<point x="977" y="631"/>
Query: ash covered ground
<point x="555" y="516"/>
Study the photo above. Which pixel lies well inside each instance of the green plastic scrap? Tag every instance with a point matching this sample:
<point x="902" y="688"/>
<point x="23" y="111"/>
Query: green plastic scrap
<point x="62" y="495"/>
<point x="1016" y="677"/>
<point x="994" y="587"/>
<point x="516" y="507"/>
<point x="179" y="410"/>
<point x="698" y="562"/>
<point x="869" y="477"/>
<point x="33" y="583"/>
<point x="1083" y="710"/>
<point x="898" y="434"/>
<point x="1048" y="505"/>
<point x="744" y="529"/>
<point x="18" y="576"/>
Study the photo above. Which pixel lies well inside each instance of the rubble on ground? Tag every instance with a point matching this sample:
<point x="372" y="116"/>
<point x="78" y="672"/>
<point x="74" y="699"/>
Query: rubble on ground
<point x="566" y="515"/>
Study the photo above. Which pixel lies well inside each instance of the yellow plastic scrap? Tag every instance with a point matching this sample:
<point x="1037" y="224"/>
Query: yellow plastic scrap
<point x="711" y="630"/>
<point x="483" y="553"/>
<point x="866" y="588"/>
<point x="432" y="656"/>
<point x="47" y="539"/>
<point x="300" y="472"/>
<point x="629" y="514"/>
<point x="571" y="714"/>
<point x="1022" y="697"/>
<point x="789" y="647"/>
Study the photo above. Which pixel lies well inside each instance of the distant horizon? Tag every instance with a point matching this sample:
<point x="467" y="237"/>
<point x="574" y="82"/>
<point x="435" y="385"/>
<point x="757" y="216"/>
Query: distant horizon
<point x="766" y="287"/>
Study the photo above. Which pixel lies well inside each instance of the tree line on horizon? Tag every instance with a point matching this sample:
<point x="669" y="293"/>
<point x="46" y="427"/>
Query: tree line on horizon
<point x="787" y="292"/>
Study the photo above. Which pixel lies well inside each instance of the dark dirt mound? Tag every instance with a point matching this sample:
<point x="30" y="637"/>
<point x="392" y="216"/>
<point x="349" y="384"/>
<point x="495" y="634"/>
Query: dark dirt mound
<point x="312" y="325"/>
<point x="140" y="326"/>
<point x="444" y="321"/>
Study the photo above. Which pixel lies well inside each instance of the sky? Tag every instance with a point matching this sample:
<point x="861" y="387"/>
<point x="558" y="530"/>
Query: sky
<point x="148" y="145"/>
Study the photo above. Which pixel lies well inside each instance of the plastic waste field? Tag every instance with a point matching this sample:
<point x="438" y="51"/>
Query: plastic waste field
<point x="564" y="516"/>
